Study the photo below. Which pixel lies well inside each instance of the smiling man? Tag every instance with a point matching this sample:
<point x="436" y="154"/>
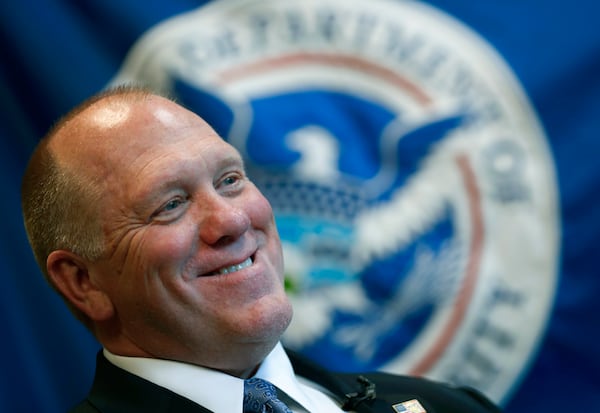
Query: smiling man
<point x="144" y="220"/>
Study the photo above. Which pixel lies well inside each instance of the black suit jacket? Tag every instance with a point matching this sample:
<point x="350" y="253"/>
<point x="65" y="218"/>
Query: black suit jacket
<point x="117" y="391"/>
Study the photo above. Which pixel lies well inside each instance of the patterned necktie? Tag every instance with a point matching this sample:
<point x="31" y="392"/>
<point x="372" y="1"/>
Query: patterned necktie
<point x="260" y="396"/>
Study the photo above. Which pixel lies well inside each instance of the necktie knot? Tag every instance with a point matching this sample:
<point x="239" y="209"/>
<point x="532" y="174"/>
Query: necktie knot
<point x="260" y="396"/>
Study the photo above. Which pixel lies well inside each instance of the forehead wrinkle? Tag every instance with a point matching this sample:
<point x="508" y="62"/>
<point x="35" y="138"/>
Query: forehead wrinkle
<point x="160" y="178"/>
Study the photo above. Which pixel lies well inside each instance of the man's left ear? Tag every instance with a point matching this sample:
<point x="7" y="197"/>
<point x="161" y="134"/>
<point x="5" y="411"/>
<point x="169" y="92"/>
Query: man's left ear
<point x="69" y="273"/>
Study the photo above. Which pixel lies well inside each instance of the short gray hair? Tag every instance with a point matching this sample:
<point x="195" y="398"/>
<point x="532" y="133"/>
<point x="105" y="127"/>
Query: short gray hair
<point x="60" y="206"/>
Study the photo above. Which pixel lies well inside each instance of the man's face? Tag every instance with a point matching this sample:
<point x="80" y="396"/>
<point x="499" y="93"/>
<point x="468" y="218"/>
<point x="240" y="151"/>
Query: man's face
<point x="194" y="265"/>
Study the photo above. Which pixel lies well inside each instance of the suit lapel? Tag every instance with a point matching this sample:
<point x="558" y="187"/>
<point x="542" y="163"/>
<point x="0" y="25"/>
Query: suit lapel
<point x="404" y="392"/>
<point x="343" y="386"/>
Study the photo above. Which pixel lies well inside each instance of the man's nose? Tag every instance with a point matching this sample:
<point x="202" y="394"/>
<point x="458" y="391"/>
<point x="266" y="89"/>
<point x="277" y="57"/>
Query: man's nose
<point x="223" y="222"/>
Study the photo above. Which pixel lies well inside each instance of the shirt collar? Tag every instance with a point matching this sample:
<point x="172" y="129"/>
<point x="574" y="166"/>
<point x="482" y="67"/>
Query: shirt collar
<point x="215" y="390"/>
<point x="212" y="389"/>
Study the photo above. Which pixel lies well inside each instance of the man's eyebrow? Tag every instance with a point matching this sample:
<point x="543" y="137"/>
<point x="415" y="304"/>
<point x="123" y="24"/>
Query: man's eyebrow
<point x="234" y="160"/>
<point x="148" y="195"/>
<point x="154" y="188"/>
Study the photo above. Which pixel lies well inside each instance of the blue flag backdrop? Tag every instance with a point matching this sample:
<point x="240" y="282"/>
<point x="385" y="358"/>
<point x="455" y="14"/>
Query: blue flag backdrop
<point x="432" y="166"/>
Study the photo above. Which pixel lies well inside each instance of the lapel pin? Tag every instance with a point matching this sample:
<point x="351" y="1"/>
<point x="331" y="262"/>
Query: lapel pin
<point x="410" y="406"/>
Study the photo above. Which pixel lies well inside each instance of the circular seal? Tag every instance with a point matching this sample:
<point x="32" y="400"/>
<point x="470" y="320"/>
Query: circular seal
<point x="411" y="181"/>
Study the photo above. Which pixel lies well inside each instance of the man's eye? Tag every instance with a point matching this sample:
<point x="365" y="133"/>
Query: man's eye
<point x="168" y="207"/>
<point x="172" y="204"/>
<point x="231" y="180"/>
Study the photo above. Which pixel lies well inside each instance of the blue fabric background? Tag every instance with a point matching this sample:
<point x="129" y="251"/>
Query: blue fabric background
<point x="55" y="53"/>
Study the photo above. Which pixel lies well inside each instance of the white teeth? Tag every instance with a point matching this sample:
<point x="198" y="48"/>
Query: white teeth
<point x="236" y="267"/>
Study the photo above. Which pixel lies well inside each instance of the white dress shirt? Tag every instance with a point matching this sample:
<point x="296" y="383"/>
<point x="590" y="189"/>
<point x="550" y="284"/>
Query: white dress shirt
<point x="220" y="392"/>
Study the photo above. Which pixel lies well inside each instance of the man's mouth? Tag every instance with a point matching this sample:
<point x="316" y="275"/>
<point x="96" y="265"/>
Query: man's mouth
<point x="235" y="267"/>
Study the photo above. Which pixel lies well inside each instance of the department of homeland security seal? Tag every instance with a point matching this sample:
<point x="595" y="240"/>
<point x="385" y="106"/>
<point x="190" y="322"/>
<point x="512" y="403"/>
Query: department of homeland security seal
<point x="411" y="181"/>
